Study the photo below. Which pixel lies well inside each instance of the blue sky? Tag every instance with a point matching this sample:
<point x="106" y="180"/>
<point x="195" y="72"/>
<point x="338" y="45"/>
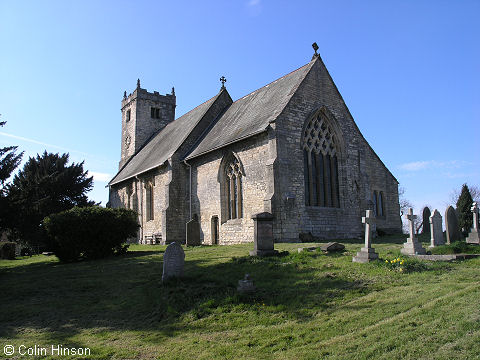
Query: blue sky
<point x="409" y="71"/>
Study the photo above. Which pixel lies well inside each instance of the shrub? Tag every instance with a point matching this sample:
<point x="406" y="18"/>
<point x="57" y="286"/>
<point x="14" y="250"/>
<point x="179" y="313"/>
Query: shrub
<point x="90" y="232"/>
<point x="457" y="247"/>
<point x="7" y="250"/>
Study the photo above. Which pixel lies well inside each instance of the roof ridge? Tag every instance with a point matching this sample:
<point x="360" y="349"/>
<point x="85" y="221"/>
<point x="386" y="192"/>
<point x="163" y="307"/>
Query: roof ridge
<point x="271" y="82"/>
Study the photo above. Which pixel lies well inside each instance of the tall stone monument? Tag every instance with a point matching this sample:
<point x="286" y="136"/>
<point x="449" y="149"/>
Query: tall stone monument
<point x="474" y="236"/>
<point x="412" y="246"/>
<point x="451" y="225"/>
<point x="367" y="253"/>
<point x="263" y="235"/>
<point x="436" y="231"/>
<point x="173" y="262"/>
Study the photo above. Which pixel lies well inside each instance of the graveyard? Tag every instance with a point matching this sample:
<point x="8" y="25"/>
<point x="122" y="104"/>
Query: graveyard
<point x="309" y="304"/>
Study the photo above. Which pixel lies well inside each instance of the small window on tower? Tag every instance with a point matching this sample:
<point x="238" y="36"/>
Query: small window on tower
<point x="152" y="112"/>
<point x="128" y="115"/>
<point x="157" y="113"/>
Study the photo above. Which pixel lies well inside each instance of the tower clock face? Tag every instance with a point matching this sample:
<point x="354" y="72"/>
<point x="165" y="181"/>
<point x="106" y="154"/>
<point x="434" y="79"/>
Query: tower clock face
<point x="128" y="140"/>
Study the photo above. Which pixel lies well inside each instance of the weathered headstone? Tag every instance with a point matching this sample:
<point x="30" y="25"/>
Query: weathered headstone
<point x="367" y="253"/>
<point x="246" y="285"/>
<point x="193" y="232"/>
<point x="426" y="220"/>
<point x="263" y="235"/>
<point x="173" y="261"/>
<point x="436" y="231"/>
<point x="474" y="236"/>
<point x="332" y="247"/>
<point x="412" y="246"/>
<point x="451" y="225"/>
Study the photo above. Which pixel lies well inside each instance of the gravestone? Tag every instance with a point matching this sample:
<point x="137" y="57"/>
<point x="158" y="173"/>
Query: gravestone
<point x="412" y="246"/>
<point x="426" y="220"/>
<point x="263" y="235"/>
<point x="173" y="262"/>
<point x="367" y="253"/>
<point x="193" y="232"/>
<point x="451" y="225"/>
<point x="332" y="247"/>
<point x="246" y="285"/>
<point x="474" y="236"/>
<point x="436" y="231"/>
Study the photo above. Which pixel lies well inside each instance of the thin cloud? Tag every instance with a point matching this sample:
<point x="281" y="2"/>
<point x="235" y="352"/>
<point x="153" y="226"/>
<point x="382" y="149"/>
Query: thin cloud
<point x="42" y="143"/>
<point x="432" y="164"/>
<point x="254" y="7"/>
<point x="414" y="166"/>
<point x="99" y="176"/>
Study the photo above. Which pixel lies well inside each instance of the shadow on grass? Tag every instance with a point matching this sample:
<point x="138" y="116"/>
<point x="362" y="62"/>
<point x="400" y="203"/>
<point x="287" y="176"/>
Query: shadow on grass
<point x="126" y="293"/>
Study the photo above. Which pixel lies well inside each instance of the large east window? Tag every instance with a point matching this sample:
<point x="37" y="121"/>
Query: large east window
<point x="320" y="162"/>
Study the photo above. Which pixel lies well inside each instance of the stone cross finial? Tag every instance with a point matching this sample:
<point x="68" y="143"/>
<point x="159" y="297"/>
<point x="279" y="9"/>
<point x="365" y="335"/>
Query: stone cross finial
<point x="475" y="215"/>
<point x="367" y="220"/>
<point x="315" y="47"/>
<point x="223" y="81"/>
<point x="138" y="83"/>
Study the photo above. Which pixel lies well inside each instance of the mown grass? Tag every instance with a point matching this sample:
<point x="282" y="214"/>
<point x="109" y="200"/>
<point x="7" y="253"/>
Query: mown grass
<point x="308" y="305"/>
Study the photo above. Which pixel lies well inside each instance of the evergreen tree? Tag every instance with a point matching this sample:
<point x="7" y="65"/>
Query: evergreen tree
<point x="46" y="185"/>
<point x="464" y="205"/>
<point x="9" y="161"/>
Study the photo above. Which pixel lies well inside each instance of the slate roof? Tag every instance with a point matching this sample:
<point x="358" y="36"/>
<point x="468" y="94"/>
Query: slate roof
<point x="162" y="146"/>
<point x="252" y="113"/>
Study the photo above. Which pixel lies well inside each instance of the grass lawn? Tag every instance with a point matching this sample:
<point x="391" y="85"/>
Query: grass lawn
<point x="307" y="306"/>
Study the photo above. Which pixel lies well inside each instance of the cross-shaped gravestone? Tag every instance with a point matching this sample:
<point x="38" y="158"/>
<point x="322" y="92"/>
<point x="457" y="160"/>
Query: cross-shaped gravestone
<point x="411" y="219"/>
<point x="475" y="215"/>
<point x="474" y="236"/>
<point x="412" y="246"/>
<point x="367" y="220"/>
<point x="223" y="81"/>
<point x="367" y="253"/>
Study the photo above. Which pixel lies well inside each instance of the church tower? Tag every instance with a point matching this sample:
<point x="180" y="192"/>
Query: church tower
<point x="143" y="115"/>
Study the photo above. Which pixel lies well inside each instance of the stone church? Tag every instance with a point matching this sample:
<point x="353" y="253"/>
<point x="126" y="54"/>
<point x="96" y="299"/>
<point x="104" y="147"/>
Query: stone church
<point x="290" y="148"/>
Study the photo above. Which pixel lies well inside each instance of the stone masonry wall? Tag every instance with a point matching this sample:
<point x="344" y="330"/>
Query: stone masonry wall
<point x="178" y="212"/>
<point x="119" y="199"/>
<point x="358" y="167"/>
<point x="141" y="125"/>
<point x="253" y="155"/>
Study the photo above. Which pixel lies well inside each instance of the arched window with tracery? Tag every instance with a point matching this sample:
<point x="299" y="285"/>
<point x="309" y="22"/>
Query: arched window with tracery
<point x="233" y="188"/>
<point x="320" y="159"/>
<point x="149" y="200"/>
<point x="380" y="206"/>
<point x="375" y="203"/>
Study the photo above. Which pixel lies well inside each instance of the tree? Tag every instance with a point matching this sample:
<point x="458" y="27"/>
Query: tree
<point x="46" y="185"/>
<point x="9" y="161"/>
<point x="474" y="191"/>
<point x="404" y="206"/>
<point x="464" y="205"/>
